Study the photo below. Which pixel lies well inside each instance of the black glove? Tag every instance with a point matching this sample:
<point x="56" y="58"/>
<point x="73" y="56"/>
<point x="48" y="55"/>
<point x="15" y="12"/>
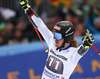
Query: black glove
<point x="88" y="39"/>
<point x="25" y="4"/>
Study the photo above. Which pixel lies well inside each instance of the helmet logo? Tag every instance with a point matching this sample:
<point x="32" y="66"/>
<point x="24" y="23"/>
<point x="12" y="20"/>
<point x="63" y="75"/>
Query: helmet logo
<point x="69" y="33"/>
<point x="68" y="30"/>
<point x="57" y="28"/>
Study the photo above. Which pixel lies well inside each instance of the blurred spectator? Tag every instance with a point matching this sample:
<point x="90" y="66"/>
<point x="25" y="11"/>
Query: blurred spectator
<point x="2" y="40"/>
<point x="92" y="21"/>
<point x="21" y="24"/>
<point x="17" y="37"/>
<point x="84" y="7"/>
<point x="97" y="23"/>
<point x="51" y="11"/>
<point x="51" y="22"/>
<point x="2" y="26"/>
<point x="77" y="19"/>
<point x="9" y="27"/>
<point x="69" y="18"/>
<point x="65" y="11"/>
<point x="79" y="30"/>
<point x="3" y="30"/>
<point x="26" y="29"/>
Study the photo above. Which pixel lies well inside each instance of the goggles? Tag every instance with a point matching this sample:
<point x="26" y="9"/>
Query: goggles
<point x="58" y="36"/>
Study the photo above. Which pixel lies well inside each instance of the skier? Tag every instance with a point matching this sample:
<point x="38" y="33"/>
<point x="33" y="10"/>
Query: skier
<point x="64" y="52"/>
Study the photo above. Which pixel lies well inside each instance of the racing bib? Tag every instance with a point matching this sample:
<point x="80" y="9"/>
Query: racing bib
<point x="54" y="64"/>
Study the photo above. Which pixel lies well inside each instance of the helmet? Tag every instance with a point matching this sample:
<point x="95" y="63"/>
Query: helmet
<point x="64" y="29"/>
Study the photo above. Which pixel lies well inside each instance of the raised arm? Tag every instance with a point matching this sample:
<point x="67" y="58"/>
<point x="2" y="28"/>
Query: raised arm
<point x="88" y="40"/>
<point x="36" y="20"/>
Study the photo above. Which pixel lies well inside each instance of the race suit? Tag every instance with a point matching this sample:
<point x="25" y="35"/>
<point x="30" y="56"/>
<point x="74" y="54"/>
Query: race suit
<point x="60" y="63"/>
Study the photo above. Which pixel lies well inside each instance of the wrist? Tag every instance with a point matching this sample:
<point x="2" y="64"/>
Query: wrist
<point x="26" y="7"/>
<point x="85" y="46"/>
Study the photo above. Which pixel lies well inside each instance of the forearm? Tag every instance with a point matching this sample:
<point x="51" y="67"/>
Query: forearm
<point x="39" y="24"/>
<point x="30" y="12"/>
<point x="87" y="40"/>
<point x="82" y="50"/>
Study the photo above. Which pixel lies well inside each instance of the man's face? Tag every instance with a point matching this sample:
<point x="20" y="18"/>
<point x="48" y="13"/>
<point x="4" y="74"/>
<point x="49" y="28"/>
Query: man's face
<point x="58" y="43"/>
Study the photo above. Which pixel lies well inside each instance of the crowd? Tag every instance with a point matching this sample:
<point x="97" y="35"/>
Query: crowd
<point x="18" y="29"/>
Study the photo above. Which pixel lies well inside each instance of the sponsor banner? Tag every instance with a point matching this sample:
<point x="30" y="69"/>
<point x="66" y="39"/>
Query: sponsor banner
<point x="30" y="65"/>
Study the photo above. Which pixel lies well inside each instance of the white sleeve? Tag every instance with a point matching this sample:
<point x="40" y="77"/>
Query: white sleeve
<point x="76" y="56"/>
<point x="46" y="33"/>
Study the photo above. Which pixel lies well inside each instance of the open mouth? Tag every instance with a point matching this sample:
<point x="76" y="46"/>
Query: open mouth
<point x="56" y="42"/>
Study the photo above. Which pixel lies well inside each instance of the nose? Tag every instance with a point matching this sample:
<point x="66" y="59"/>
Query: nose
<point x="55" y="39"/>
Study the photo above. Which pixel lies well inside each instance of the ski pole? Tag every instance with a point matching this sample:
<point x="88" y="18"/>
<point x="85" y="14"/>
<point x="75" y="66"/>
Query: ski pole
<point x="96" y="49"/>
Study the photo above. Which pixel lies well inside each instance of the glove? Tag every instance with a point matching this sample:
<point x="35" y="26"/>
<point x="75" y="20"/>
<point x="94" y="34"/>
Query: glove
<point x="88" y="39"/>
<point x="25" y="4"/>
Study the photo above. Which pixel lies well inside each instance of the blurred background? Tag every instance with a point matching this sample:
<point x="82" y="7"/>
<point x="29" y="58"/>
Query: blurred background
<point x="22" y="55"/>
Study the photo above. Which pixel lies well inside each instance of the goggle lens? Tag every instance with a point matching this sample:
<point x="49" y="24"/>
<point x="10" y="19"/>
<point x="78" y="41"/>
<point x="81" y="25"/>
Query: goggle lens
<point x="58" y="36"/>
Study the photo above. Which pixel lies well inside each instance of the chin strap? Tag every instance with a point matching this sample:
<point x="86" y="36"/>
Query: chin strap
<point x="63" y="45"/>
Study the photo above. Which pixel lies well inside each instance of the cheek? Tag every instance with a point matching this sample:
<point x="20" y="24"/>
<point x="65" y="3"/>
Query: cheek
<point x="61" y="41"/>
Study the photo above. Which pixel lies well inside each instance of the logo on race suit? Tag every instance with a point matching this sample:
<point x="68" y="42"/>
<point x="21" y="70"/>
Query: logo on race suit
<point x="57" y="28"/>
<point x="50" y="75"/>
<point x="60" y="56"/>
<point x="62" y="78"/>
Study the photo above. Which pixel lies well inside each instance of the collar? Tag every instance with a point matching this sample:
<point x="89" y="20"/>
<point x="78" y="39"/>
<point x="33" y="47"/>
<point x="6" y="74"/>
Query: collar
<point x="65" y="48"/>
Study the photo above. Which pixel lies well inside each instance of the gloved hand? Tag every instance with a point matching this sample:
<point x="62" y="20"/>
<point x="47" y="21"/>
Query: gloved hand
<point x="25" y="4"/>
<point x="88" y="39"/>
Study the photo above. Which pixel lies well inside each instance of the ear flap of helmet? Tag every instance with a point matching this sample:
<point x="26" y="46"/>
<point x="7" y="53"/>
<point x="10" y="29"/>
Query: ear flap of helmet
<point x="69" y="38"/>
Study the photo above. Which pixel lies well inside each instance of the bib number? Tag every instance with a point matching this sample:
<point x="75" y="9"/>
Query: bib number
<point x="54" y="64"/>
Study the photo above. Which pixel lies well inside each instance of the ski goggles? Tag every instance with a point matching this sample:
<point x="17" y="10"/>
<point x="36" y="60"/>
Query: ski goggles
<point x="58" y="36"/>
